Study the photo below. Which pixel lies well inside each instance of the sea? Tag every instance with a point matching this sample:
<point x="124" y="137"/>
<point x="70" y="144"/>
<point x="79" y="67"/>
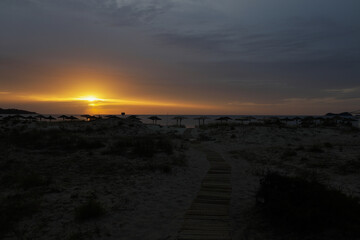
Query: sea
<point x="189" y="121"/>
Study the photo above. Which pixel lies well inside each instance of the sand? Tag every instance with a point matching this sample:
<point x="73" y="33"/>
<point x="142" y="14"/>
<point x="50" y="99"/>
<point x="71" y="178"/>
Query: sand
<point x="252" y="151"/>
<point x="143" y="197"/>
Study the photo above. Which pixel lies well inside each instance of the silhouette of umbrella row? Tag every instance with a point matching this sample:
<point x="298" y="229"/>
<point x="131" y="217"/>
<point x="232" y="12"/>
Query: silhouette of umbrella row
<point x="178" y="119"/>
<point x="201" y="119"/>
<point x="50" y="118"/>
<point x="40" y="117"/>
<point x="154" y="119"/>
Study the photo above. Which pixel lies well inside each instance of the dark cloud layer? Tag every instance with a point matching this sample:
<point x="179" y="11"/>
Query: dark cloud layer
<point x="220" y="51"/>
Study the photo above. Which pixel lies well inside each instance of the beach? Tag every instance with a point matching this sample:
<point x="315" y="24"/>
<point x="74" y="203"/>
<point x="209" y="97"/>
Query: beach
<point x="122" y="179"/>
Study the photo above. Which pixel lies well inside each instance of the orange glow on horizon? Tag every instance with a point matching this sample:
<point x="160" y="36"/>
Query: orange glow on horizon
<point x="101" y="105"/>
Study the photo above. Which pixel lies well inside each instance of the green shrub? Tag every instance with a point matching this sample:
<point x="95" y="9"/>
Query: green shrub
<point x="307" y="207"/>
<point x="316" y="149"/>
<point x="349" y="167"/>
<point x="300" y="148"/>
<point x="165" y="168"/>
<point x="165" y="145"/>
<point x="86" y="143"/>
<point x="180" y="160"/>
<point x="14" y="208"/>
<point x="288" y="154"/>
<point x="32" y="180"/>
<point x="119" y="146"/>
<point x="144" y="147"/>
<point x="24" y="180"/>
<point x="328" y="145"/>
<point x="91" y="209"/>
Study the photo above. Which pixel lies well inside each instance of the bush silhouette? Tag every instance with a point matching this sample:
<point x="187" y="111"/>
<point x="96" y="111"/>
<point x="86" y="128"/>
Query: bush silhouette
<point x="295" y="204"/>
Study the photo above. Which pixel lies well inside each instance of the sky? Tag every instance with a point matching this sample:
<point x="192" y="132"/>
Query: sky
<point x="283" y="57"/>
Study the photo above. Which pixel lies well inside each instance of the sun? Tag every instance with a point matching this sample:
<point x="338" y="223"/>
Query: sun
<point x="90" y="99"/>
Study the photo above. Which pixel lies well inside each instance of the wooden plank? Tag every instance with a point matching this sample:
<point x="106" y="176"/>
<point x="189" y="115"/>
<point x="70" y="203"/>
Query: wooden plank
<point x="220" y="233"/>
<point x="223" y="171"/>
<point x="219" y="165"/>
<point x="213" y="186"/>
<point x="202" y="212"/>
<point x="209" y="206"/>
<point x="207" y="225"/>
<point x="211" y="201"/>
<point x="206" y="228"/>
<point x="208" y="217"/>
<point x="218" y="190"/>
<point x="215" y="159"/>
<point x="204" y="237"/>
<point x="218" y="175"/>
<point x="213" y="197"/>
<point x="203" y="223"/>
<point x="216" y="185"/>
<point x="224" y="181"/>
<point x="217" y="179"/>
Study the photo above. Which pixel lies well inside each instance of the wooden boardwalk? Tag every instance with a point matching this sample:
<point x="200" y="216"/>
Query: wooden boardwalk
<point x="208" y="216"/>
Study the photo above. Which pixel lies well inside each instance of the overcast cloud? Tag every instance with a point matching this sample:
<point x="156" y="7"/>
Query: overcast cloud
<point x="228" y="51"/>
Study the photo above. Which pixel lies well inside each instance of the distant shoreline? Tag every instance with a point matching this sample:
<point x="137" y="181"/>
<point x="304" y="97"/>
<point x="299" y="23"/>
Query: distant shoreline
<point x="15" y="111"/>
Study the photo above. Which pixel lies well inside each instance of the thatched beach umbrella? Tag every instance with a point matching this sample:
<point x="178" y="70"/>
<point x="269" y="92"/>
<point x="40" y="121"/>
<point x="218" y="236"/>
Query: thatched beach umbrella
<point x="50" y="118"/>
<point x="242" y="119"/>
<point x="223" y="119"/>
<point x="251" y="118"/>
<point x="220" y="119"/>
<point x="7" y="118"/>
<point x="297" y="120"/>
<point x="154" y="119"/>
<point x="63" y="117"/>
<point x="275" y="119"/>
<point x="40" y="117"/>
<point x="286" y="120"/>
<point x="133" y="118"/>
<point x="319" y="120"/>
<point x="352" y="121"/>
<point x="203" y="118"/>
<point x="30" y="118"/>
<point x="179" y="119"/>
<point x="18" y="117"/>
<point x="198" y="118"/>
<point x="72" y="118"/>
<point x="337" y="119"/>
